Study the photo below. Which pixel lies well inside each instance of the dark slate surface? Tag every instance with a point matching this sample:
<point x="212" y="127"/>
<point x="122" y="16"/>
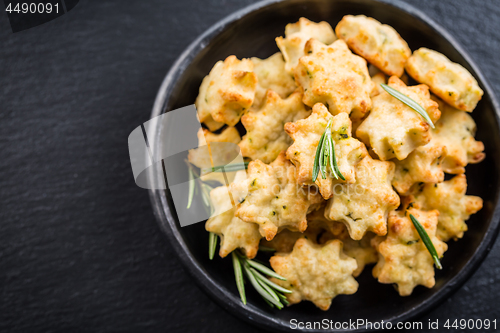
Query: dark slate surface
<point x="79" y="247"/>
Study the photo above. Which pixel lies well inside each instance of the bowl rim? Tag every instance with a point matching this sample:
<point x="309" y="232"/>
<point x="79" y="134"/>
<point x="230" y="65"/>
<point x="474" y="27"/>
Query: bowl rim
<point x="221" y="295"/>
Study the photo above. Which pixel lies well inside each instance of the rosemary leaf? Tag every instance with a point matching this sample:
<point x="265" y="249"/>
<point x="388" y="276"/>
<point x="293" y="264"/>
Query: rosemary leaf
<point x="264" y="285"/>
<point x="264" y="269"/>
<point x="266" y="249"/>
<point x="238" y="275"/>
<point x="191" y="188"/>
<point x="331" y="153"/>
<point x="205" y="192"/>
<point x="205" y="196"/>
<point x="321" y="149"/>
<point x="194" y="180"/>
<point x="283" y="299"/>
<point x="190" y="166"/>
<point x="409" y="102"/>
<point x="212" y="245"/>
<point x="257" y="261"/>
<point x="259" y="288"/>
<point x="239" y="254"/>
<point x="325" y="154"/>
<point x="427" y="241"/>
<point x="227" y="168"/>
<point x="273" y="295"/>
<point x="316" y="158"/>
<point x="273" y="285"/>
<point x="196" y="190"/>
<point x="268" y="303"/>
<point x="333" y="159"/>
<point x="207" y="187"/>
<point x="270" y="292"/>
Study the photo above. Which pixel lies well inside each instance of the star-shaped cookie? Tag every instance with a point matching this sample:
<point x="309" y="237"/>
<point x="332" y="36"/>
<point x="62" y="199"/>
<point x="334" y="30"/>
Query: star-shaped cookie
<point x="306" y="134"/>
<point x="393" y="129"/>
<point x="364" y="205"/>
<point x="455" y="130"/>
<point x="233" y="232"/>
<point x="266" y="136"/>
<point x="454" y="206"/>
<point x="317" y="273"/>
<point x="336" y="77"/>
<point x="423" y="165"/>
<point x="296" y="36"/>
<point x="403" y="258"/>
<point x="273" y="199"/>
<point x="227" y="92"/>
<point x="271" y="75"/>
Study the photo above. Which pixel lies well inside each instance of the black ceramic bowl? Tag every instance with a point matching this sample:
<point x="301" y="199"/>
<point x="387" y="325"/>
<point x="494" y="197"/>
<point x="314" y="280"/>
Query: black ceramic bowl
<point x="251" y="32"/>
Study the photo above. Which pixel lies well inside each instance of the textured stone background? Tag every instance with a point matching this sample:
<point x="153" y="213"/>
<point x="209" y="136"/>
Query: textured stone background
<point x="79" y="247"/>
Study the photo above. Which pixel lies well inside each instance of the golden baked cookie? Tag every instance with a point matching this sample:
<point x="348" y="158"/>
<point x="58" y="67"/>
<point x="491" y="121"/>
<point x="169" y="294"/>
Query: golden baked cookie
<point x="317" y="273"/>
<point x="266" y="136"/>
<point x="271" y="75"/>
<point x="336" y="77"/>
<point x="393" y="129"/>
<point x="448" y="80"/>
<point x="273" y="197"/>
<point x="454" y="206"/>
<point x="378" y="43"/>
<point x="364" y="205"/>
<point x="403" y="258"/>
<point x="296" y="36"/>
<point x="233" y="232"/>
<point x="306" y="134"/>
<point x="227" y="92"/>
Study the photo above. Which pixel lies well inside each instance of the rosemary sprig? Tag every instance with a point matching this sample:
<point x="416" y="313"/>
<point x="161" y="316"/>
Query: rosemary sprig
<point x="264" y="269"/>
<point x="238" y="274"/>
<point x="325" y="154"/>
<point x="195" y="183"/>
<point x="333" y="159"/>
<point x="427" y="241"/>
<point x="227" y="168"/>
<point x="263" y="292"/>
<point x="205" y="189"/>
<point x="261" y="278"/>
<point x="409" y="102"/>
<point x="191" y="187"/>
<point x="266" y="249"/>
<point x="272" y="293"/>
<point x="212" y="245"/>
<point x="283" y="299"/>
<point x="319" y="151"/>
